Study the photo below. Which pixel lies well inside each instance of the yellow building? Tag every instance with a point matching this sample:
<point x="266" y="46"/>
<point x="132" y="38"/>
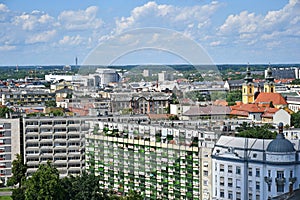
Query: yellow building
<point x="248" y="88"/>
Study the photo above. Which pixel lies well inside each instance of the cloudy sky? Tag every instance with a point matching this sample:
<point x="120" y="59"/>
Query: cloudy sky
<point x="233" y="31"/>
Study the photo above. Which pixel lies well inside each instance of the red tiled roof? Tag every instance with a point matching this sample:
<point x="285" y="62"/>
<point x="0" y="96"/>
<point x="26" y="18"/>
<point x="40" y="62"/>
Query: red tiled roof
<point x="276" y="98"/>
<point x="254" y="108"/>
<point x="239" y="113"/>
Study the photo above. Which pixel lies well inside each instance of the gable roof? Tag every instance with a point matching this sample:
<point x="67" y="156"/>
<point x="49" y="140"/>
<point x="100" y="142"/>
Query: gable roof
<point x="267" y="97"/>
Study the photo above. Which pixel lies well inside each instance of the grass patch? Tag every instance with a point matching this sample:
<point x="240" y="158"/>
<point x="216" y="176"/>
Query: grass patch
<point x="5" y="198"/>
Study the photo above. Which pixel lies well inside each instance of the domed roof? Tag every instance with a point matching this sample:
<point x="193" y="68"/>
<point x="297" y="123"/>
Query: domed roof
<point x="280" y="144"/>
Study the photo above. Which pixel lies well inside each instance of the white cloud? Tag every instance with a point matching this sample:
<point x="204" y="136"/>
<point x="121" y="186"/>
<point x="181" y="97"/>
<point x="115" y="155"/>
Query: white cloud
<point x="185" y="19"/>
<point x="80" y="20"/>
<point x="275" y="25"/>
<point x="3" y="8"/>
<point x="7" y="47"/>
<point x="41" y="37"/>
<point x="215" y="43"/>
<point x="33" y="20"/>
<point x="71" y="40"/>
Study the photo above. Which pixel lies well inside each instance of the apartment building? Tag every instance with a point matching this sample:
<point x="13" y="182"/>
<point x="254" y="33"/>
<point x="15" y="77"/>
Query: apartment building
<point x="248" y="168"/>
<point x="9" y="146"/>
<point x="27" y="98"/>
<point x="160" y="162"/>
<point x="60" y="140"/>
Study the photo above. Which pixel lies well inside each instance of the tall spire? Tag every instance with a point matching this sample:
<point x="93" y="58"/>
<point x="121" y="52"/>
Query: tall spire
<point x="269" y="77"/>
<point x="248" y="78"/>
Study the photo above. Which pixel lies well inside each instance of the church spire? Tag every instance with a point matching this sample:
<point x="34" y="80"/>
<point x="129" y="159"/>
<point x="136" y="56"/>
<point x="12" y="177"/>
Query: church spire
<point x="269" y="85"/>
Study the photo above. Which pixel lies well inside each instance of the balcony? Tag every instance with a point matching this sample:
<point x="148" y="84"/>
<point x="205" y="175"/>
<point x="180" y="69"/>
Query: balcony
<point x="280" y="181"/>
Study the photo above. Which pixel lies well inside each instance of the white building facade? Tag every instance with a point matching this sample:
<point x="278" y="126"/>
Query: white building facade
<point x="248" y="168"/>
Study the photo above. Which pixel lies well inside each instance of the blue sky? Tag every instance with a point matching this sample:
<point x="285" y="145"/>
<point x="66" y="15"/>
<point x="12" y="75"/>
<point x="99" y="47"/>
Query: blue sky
<point x="233" y="31"/>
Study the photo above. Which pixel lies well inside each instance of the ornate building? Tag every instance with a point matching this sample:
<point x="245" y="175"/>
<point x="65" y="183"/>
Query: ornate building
<point x="248" y="168"/>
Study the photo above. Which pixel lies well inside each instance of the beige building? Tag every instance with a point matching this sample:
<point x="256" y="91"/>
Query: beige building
<point x="9" y="146"/>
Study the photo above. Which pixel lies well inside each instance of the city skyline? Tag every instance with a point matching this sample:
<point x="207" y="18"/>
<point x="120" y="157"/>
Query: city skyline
<point x="44" y="33"/>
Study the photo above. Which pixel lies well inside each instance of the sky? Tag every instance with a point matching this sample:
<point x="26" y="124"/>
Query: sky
<point x="229" y="31"/>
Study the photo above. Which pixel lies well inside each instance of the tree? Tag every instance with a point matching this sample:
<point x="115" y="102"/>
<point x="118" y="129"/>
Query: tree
<point x="233" y="96"/>
<point x="295" y="119"/>
<point x="44" y="184"/>
<point x="19" y="171"/>
<point x="84" y="187"/>
<point x="4" y="110"/>
<point x="261" y="132"/>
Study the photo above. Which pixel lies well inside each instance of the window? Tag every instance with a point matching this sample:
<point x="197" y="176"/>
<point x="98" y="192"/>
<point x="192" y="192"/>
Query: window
<point x="269" y="187"/>
<point x="238" y="196"/>
<point x="205" y="164"/>
<point x="229" y="182"/>
<point x="238" y="183"/>
<point x="257" y="172"/>
<point x="269" y="173"/>
<point x="222" y="193"/>
<point x="222" y="181"/>
<point x="250" y="171"/>
<point x="205" y="182"/>
<point x="205" y="173"/>
<point x="257" y="197"/>
<point x="291" y="174"/>
<point x="250" y="196"/>
<point x="230" y="196"/>
<point x="250" y="185"/>
<point x="257" y="185"/>
<point x="238" y="170"/>
<point x="280" y="188"/>
<point x="280" y="174"/>
<point x="221" y="168"/>
<point x="229" y="168"/>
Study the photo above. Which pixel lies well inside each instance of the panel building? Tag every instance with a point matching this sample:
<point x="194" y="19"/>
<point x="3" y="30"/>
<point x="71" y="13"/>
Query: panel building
<point x="161" y="163"/>
<point x="9" y="146"/>
<point x="60" y="140"/>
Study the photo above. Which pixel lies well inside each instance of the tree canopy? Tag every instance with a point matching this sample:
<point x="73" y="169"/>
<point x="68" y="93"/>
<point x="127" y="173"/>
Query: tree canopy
<point x="45" y="184"/>
<point x="254" y="131"/>
<point x="295" y="119"/>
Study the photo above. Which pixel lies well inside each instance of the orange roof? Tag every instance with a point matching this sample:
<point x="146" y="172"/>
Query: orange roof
<point x="266" y="97"/>
<point x="248" y="107"/>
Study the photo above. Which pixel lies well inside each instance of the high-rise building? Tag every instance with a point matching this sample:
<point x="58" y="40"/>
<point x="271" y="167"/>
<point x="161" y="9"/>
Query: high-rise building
<point x="161" y="163"/>
<point x="9" y="146"/>
<point x="60" y="140"/>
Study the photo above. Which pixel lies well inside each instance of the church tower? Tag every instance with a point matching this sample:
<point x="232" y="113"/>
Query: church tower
<point x="248" y="88"/>
<point x="269" y="85"/>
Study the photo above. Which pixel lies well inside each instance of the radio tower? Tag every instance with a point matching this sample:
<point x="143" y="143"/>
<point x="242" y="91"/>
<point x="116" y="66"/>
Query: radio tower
<point x="76" y="61"/>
